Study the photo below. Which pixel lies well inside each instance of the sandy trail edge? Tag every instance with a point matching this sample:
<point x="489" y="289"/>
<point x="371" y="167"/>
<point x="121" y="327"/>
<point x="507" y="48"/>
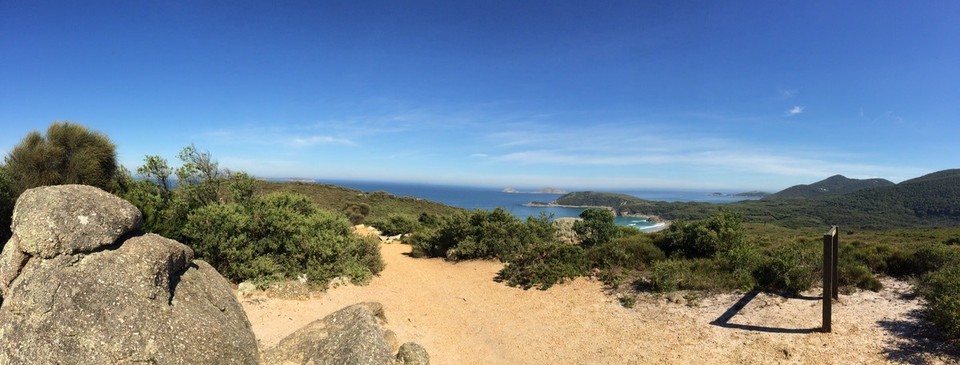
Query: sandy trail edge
<point x="462" y="316"/>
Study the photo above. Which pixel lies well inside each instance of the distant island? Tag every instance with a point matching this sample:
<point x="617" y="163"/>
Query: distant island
<point x="541" y="191"/>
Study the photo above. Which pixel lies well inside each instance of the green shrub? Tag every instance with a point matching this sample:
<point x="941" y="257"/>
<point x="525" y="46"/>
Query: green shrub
<point x="793" y="267"/>
<point x="631" y="253"/>
<point x="68" y="153"/>
<point x="941" y="290"/>
<point x="702" y="238"/>
<point x="852" y="273"/>
<point x="280" y="235"/>
<point x="544" y="264"/>
<point x="741" y="264"/>
<point x="596" y="226"/>
<point x="357" y="212"/>
<point x="931" y="256"/>
<point x="878" y="257"/>
<point x="668" y="275"/>
<point x="481" y="234"/>
<point x="397" y="224"/>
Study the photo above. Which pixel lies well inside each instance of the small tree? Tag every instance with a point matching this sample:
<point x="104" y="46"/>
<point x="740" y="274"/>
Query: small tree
<point x="68" y="154"/>
<point x="596" y="226"/>
<point x="156" y="169"/>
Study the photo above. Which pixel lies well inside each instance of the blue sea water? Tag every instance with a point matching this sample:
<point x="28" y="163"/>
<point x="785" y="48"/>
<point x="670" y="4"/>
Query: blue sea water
<point x="490" y="198"/>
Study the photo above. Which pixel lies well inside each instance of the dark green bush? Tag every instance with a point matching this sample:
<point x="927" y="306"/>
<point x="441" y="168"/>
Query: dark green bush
<point x="68" y="153"/>
<point x="630" y="253"/>
<point x="702" y="238"/>
<point x="941" y="290"/>
<point x="357" y="212"/>
<point x="793" y="267"/>
<point x="544" y="264"/>
<point x="622" y="258"/>
<point x="280" y="235"/>
<point x="668" y="275"/>
<point x="481" y="234"/>
<point x="397" y="224"/>
<point x="596" y="226"/>
<point x="852" y="273"/>
<point x="931" y="256"/>
<point x="878" y="257"/>
<point x="741" y="264"/>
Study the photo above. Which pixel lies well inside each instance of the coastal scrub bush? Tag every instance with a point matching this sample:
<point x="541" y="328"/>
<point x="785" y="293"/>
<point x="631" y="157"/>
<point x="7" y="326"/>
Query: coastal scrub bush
<point x="397" y="223"/>
<point x="941" y="291"/>
<point x="481" y="234"/>
<point x="68" y="153"/>
<point x="596" y="226"/>
<point x="280" y="235"/>
<point x="741" y="264"/>
<point x="357" y="212"/>
<point x="544" y="264"/>
<point x="856" y="274"/>
<point x="630" y="253"/>
<point x="668" y="275"/>
<point x="931" y="256"/>
<point x="622" y="258"/>
<point x="793" y="267"/>
<point x="878" y="257"/>
<point x="703" y="238"/>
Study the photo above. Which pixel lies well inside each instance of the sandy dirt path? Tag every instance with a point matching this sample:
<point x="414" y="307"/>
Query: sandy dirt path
<point x="462" y="316"/>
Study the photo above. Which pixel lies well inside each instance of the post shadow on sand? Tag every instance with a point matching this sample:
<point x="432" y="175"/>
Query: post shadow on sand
<point x="724" y="319"/>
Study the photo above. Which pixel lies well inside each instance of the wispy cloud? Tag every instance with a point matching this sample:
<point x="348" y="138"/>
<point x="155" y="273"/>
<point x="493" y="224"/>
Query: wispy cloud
<point x="479" y="155"/>
<point x="787" y="93"/>
<point x="795" y="110"/>
<point x="321" y="140"/>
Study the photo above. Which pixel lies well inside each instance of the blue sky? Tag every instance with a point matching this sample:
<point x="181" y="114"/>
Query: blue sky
<point x="612" y="95"/>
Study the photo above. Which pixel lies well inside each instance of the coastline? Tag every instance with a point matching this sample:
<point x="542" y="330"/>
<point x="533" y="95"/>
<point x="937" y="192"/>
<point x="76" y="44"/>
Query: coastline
<point x="659" y="224"/>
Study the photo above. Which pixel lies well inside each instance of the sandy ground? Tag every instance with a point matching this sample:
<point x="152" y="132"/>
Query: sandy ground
<point x="462" y="316"/>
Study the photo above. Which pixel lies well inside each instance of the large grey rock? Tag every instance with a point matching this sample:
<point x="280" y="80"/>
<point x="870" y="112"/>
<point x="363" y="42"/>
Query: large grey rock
<point x="141" y="299"/>
<point x="411" y="353"/>
<point x="66" y="219"/>
<point x="353" y="335"/>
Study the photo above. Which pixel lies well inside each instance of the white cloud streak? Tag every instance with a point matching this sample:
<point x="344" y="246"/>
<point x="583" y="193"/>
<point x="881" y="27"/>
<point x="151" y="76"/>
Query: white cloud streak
<point x="321" y="140"/>
<point x="795" y="110"/>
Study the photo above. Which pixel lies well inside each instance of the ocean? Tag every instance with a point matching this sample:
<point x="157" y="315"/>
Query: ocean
<point x="491" y="198"/>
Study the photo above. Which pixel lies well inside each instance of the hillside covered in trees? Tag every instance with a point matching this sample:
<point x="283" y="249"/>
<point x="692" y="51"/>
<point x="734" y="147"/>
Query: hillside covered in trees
<point x="926" y="201"/>
<point x="831" y="186"/>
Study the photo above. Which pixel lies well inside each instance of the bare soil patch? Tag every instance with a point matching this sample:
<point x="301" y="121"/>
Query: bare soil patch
<point x="462" y="316"/>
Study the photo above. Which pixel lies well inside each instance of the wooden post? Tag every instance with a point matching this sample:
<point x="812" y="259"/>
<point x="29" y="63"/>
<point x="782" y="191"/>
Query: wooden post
<point x="836" y="262"/>
<point x="830" y="251"/>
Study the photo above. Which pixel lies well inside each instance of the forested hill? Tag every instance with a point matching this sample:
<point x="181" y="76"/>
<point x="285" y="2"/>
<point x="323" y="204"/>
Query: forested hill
<point x="356" y="204"/>
<point x="932" y="198"/>
<point x="831" y="186"/>
<point x="928" y="201"/>
<point x="596" y="199"/>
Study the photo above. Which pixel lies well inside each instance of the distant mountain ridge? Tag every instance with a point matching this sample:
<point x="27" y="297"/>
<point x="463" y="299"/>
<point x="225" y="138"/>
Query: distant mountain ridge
<point x="931" y="200"/>
<point x="831" y="186"/>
